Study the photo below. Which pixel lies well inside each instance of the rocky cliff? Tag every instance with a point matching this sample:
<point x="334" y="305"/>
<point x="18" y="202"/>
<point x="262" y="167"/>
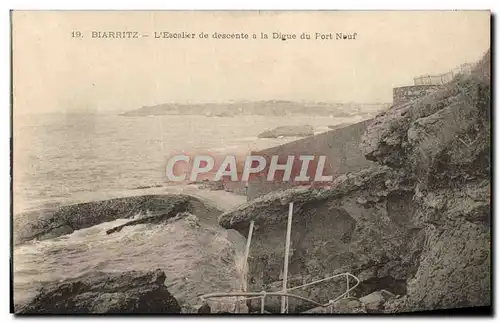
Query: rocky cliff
<point x="443" y="140"/>
<point x="417" y="225"/>
<point x="361" y="224"/>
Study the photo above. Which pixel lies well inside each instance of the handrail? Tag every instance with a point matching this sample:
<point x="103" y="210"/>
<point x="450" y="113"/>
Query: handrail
<point x="284" y="294"/>
<point x="328" y="278"/>
<point x="264" y="294"/>
<point x="260" y="294"/>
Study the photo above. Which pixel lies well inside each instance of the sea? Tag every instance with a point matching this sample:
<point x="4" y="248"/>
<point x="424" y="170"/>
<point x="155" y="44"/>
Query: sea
<point x="67" y="158"/>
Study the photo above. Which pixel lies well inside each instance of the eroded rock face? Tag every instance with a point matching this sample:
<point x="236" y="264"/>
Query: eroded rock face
<point x="455" y="266"/>
<point x="130" y="292"/>
<point x="418" y="225"/>
<point x="444" y="140"/>
<point x="444" y="136"/>
<point x="361" y="224"/>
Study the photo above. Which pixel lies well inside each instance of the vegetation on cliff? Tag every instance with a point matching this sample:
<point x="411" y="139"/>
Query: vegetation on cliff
<point x="418" y="225"/>
<point x="444" y="140"/>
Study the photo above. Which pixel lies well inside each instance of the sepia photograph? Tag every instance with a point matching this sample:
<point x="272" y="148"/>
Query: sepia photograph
<point x="251" y="162"/>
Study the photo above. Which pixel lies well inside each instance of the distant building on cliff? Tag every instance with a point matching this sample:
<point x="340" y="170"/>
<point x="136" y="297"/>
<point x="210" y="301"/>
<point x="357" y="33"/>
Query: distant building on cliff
<point x="425" y="84"/>
<point x="442" y="79"/>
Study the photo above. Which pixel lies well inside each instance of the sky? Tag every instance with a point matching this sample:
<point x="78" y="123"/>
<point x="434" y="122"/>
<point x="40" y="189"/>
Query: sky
<point x="55" y="72"/>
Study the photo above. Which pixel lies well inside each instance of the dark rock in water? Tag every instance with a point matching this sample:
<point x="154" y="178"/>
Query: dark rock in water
<point x="157" y="219"/>
<point x="162" y="215"/>
<point x="98" y="292"/>
<point x="224" y="114"/>
<point x="289" y="131"/>
<point x="56" y="232"/>
<point x="143" y="187"/>
<point x="52" y="223"/>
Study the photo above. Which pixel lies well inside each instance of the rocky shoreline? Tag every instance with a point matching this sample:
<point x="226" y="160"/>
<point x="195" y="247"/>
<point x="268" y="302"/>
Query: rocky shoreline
<point x="193" y="224"/>
<point x="52" y="223"/>
<point x="415" y="228"/>
<point x="105" y="293"/>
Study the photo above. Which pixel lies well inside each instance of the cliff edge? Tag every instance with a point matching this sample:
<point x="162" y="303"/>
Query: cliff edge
<point x="417" y="225"/>
<point x="444" y="141"/>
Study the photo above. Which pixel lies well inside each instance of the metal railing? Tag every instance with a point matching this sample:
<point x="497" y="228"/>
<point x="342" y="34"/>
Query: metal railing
<point x="285" y="292"/>
<point x="263" y="295"/>
<point x="441" y="79"/>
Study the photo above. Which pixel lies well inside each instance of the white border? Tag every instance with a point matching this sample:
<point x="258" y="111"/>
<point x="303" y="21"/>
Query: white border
<point x="256" y="4"/>
<point x="185" y="4"/>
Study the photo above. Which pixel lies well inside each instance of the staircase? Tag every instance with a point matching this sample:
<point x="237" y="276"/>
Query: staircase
<point x="242" y="297"/>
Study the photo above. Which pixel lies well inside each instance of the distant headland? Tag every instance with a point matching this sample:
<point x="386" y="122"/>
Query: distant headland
<point x="265" y="108"/>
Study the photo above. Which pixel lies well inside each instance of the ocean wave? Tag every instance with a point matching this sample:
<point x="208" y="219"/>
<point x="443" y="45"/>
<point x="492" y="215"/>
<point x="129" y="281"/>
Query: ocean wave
<point x="185" y="252"/>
